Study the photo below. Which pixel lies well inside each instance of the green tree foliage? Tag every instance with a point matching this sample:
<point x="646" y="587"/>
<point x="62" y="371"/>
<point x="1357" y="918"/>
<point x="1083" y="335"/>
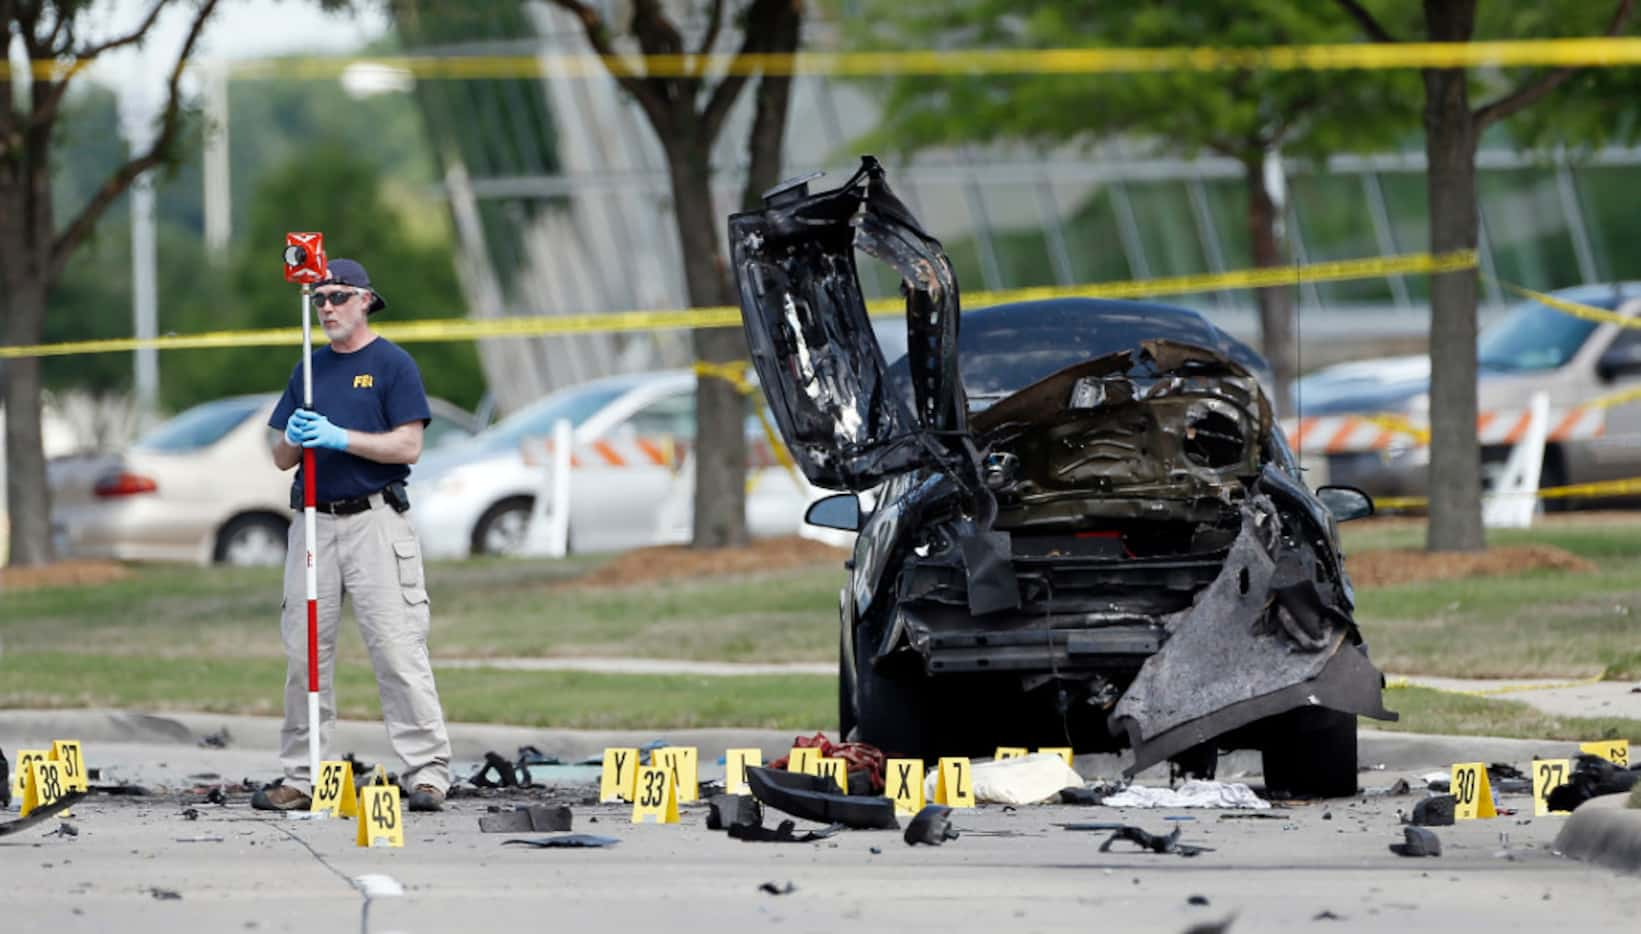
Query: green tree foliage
<point x="326" y="187"/>
<point x="1242" y="115"/>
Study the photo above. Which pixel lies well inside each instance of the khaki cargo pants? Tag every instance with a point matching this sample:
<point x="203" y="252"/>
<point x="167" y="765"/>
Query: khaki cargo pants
<point x="373" y="558"/>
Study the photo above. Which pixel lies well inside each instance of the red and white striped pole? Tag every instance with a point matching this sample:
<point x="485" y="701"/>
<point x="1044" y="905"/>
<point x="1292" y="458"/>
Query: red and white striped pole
<point x="309" y="521"/>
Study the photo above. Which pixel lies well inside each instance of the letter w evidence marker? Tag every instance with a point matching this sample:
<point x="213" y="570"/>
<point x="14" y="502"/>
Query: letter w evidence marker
<point x="305" y="263"/>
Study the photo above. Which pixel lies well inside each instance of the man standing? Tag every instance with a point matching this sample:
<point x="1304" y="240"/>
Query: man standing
<point x="374" y="409"/>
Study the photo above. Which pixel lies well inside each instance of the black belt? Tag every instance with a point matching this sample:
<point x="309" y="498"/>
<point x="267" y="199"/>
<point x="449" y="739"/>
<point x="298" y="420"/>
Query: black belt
<point x="344" y="507"/>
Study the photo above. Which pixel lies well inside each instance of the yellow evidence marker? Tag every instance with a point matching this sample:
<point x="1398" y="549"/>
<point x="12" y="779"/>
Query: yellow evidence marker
<point x="1616" y="751"/>
<point x="380" y="822"/>
<point x="1472" y="795"/>
<point x="903" y="784"/>
<point x="684" y="763"/>
<point x="1548" y="775"/>
<point x="1010" y="752"/>
<point x="655" y="796"/>
<point x="43" y="785"/>
<point x="802" y="759"/>
<point x="620" y="771"/>
<point x="334" y="793"/>
<point x="1064" y="752"/>
<point x="835" y="769"/>
<point x="67" y="751"/>
<point x="953" y="786"/>
<point x="736" y="762"/>
<point x="25" y="768"/>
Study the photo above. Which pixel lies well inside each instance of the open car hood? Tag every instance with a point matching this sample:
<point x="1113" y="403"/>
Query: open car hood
<point x="806" y="325"/>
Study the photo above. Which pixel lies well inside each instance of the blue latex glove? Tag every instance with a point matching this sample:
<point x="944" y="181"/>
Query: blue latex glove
<point x="296" y="426"/>
<point x="318" y="432"/>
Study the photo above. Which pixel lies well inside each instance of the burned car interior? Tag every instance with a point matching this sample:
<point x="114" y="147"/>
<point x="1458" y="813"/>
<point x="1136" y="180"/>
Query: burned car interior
<point x="1077" y="519"/>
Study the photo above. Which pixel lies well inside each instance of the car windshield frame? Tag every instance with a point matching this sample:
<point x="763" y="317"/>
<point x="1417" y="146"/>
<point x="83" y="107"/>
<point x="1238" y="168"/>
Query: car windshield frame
<point x="1533" y="337"/>
<point x="577" y="404"/>
<point x="200" y="427"/>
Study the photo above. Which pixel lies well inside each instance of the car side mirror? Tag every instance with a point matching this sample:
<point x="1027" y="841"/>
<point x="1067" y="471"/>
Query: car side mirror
<point x="1619" y="361"/>
<point x="1345" y="502"/>
<point x="840" y="511"/>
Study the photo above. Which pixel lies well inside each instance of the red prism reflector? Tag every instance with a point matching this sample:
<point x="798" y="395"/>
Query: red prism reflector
<point x="305" y="258"/>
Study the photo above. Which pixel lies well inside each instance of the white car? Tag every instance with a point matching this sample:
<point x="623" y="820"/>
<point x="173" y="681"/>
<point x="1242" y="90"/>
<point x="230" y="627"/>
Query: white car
<point x="627" y="488"/>
<point x="200" y="487"/>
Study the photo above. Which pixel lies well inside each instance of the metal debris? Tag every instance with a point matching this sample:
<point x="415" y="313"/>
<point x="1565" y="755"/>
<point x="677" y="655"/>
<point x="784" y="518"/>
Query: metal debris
<point x="1156" y="843"/>
<point x="1434" y="811"/>
<point x="781" y="833"/>
<point x="814" y="798"/>
<point x="1419" y="842"/>
<point x="532" y="819"/>
<point x="165" y="895"/>
<point x="932" y="825"/>
<point x="42" y="813"/>
<point x="567" y="841"/>
<point x="772" y="888"/>
<point x="725" y="811"/>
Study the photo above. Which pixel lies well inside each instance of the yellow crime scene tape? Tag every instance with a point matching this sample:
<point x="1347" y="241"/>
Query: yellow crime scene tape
<point x="1584" y="52"/>
<point x="455" y="329"/>
<point x="734" y="373"/>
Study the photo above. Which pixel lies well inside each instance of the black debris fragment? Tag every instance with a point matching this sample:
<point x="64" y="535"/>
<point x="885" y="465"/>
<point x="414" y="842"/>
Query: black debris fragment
<point x="1327" y="915"/>
<point x="726" y="811"/>
<point x="781" y="833"/>
<point x="217" y="796"/>
<point x="496" y="772"/>
<point x="1420" y="842"/>
<point x="1592" y="776"/>
<point x="1093" y="825"/>
<point x="1256" y="815"/>
<point x="1401" y="787"/>
<point x="1434" y="811"/>
<point x="567" y="841"/>
<point x="1212" y="927"/>
<point x="361" y="769"/>
<point x="932" y="825"/>
<point x="165" y="895"/>
<point x="772" y="888"/>
<point x="190" y="813"/>
<point x="1506" y="779"/>
<point x="218" y="740"/>
<point x="122" y="790"/>
<point x="533" y="819"/>
<point x="875" y="851"/>
<point x="5" y="781"/>
<point x="1197" y="900"/>
<point x="65" y="829"/>
<point x="815" y="798"/>
<point x="42" y="813"/>
<point x="1156" y="843"/>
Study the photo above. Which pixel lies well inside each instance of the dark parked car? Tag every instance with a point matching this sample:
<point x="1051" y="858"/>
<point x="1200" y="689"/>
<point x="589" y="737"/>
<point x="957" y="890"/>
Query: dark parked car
<point x="1084" y="525"/>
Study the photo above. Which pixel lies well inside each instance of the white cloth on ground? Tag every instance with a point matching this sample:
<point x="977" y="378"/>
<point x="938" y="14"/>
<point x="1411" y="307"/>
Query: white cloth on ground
<point x="1193" y="794"/>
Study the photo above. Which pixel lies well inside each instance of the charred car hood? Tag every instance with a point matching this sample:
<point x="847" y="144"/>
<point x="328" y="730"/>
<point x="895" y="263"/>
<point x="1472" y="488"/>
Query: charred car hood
<point x="812" y="344"/>
<point x="1169" y="427"/>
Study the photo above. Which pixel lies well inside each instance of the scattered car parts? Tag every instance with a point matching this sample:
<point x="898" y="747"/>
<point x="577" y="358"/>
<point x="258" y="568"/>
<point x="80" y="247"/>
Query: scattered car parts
<point x="41" y="813"/>
<point x="781" y="833"/>
<point x="1592" y="776"/>
<point x="1418" y="842"/>
<point x="932" y="825"/>
<point x="534" y="818"/>
<point x="815" y="798"/>
<point x="726" y="811"/>
<point x="1163" y="843"/>
<point x="1434" y="811"/>
<point x="566" y="841"/>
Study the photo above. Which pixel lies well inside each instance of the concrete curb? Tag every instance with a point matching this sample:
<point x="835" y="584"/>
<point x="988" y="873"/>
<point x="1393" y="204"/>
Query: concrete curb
<point x="1605" y="832"/>
<point x="1377" y="750"/>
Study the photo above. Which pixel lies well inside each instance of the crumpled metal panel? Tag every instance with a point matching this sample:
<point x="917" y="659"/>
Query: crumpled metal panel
<point x="811" y="340"/>
<point x="1230" y="659"/>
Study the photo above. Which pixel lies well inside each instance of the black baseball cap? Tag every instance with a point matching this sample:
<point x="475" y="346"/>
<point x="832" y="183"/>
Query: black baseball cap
<point x="350" y="272"/>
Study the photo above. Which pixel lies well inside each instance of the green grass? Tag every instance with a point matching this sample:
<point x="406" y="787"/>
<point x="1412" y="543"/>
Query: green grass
<point x="1536" y="624"/>
<point x="481" y="609"/>
<point x="574" y="700"/>
<point x="1429" y="711"/>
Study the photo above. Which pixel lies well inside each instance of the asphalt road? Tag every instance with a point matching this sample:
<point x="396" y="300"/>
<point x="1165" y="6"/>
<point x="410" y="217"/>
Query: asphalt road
<point x="1318" y="867"/>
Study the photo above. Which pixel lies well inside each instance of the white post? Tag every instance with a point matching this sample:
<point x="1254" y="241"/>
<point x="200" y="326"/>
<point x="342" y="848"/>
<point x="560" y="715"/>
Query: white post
<point x="1514" y="499"/>
<point x="144" y="296"/>
<point x="549" y="530"/>
<point x="218" y="193"/>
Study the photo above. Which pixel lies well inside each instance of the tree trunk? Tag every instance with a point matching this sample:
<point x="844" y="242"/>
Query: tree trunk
<point x="27" y="498"/>
<point x="1276" y="330"/>
<point x="770" y="107"/>
<point x="1450" y="147"/>
<point x="720" y="408"/>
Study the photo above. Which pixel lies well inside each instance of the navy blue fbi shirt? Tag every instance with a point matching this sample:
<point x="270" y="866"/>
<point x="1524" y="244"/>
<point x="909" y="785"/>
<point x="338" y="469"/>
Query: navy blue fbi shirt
<point x="375" y="389"/>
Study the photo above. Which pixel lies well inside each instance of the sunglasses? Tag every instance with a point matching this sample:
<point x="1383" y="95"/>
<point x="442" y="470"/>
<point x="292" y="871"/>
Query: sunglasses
<point x="338" y="297"/>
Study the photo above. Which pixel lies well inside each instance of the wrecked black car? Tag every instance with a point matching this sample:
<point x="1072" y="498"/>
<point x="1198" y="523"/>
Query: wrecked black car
<point x="1078" y="521"/>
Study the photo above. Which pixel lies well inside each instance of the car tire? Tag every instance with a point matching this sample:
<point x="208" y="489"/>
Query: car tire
<point x="252" y="540"/>
<point x="891" y="713"/>
<point x="503" y="527"/>
<point x="1311" y="753"/>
